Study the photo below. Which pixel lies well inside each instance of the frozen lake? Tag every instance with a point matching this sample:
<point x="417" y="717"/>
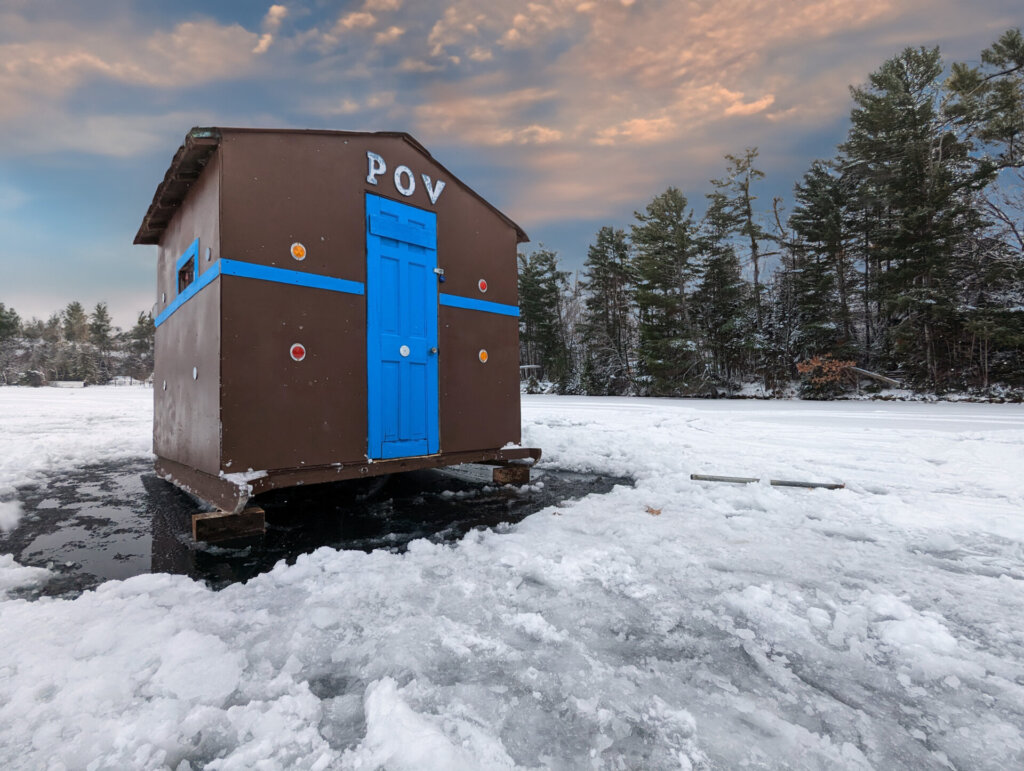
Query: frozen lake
<point x="670" y="624"/>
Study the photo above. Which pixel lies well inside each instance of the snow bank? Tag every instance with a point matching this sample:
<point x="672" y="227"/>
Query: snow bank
<point x="677" y="624"/>
<point x="44" y="430"/>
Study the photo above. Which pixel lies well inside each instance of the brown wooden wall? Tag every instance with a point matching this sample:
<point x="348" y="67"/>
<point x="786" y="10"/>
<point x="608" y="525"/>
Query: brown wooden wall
<point x="186" y="425"/>
<point x="263" y="191"/>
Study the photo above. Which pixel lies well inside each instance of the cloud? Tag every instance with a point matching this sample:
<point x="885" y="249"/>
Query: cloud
<point x="379" y="100"/>
<point x="498" y="119"/>
<point x="553" y="83"/>
<point x="750" y="108"/>
<point x="275" y="15"/>
<point x="56" y="61"/>
<point x="564" y="82"/>
<point x="354" y="20"/>
<point x="638" y="130"/>
<point x="113" y="135"/>
<point x="410" y="64"/>
<point x="390" y="35"/>
<point x="513" y="25"/>
<point x="271" y="24"/>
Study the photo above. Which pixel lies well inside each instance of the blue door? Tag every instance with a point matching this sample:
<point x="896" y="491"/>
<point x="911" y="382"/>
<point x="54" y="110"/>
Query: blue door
<point x="401" y="329"/>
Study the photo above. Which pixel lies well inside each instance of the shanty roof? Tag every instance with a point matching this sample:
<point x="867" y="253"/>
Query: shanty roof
<point x="190" y="160"/>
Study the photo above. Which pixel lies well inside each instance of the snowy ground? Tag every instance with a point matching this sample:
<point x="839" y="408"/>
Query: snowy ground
<point x="674" y="624"/>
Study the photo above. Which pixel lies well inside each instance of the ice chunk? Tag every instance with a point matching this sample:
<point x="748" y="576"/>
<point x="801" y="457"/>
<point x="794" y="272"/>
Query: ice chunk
<point x="198" y="667"/>
<point x="15" y="576"/>
<point x="10" y="513"/>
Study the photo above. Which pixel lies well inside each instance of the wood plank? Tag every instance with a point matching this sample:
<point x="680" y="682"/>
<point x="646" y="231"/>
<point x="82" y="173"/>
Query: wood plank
<point x="222" y="525"/>
<point x="716" y="478"/>
<point x="772" y="482"/>
<point x="513" y="474"/>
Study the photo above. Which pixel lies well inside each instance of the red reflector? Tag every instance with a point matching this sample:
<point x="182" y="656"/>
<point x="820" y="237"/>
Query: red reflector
<point x="298" y="352"/>
<point x="482" y="285"/>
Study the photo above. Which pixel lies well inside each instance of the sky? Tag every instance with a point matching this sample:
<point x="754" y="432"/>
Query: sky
<point x="567" y="116"/>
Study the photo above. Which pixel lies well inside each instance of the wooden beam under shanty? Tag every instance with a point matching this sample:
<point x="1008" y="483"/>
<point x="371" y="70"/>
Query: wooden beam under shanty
<point x="222" y="525"/>
<point x="512" y="474"/>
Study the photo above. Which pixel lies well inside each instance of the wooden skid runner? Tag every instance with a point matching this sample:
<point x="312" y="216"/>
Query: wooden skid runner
<point x="512" y="474"/>
<point x="223" y="525"/>
<point x="231" y="493"/>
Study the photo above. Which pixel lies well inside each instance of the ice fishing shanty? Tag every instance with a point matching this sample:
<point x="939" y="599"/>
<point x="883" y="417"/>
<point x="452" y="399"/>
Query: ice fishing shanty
<point x="330" y="305"/>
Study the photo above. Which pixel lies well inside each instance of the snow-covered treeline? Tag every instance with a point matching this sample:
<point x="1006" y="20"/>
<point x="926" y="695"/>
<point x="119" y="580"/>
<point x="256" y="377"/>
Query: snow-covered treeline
<point x="902" y="254"/>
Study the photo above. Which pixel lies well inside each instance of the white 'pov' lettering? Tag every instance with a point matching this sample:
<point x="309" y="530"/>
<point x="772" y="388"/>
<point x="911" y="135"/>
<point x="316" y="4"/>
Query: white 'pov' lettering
<point x="409" y="188"/>
<point x="376" y="166"/>
<point x="435" y="191"/>
<point x="404" y="178"/>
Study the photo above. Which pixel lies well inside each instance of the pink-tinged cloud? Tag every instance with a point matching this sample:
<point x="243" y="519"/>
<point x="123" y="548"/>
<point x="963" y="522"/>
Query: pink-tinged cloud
<point x="663" y="76"/>
<point x="390" y="35"/>
<point x="638" y="130"/>
<point x="750" y="108"/>
<point x="488" y="120"/>
<point x="271" y="24"/>
<point x="382" y="5"/>
<point x="36" y="73"/>
<point x="354" y="20"/>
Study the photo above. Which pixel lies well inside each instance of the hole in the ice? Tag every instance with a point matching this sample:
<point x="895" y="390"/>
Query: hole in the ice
<point x="117" y="520"/>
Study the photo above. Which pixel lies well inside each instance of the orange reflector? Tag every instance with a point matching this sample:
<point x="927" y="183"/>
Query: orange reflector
<point x="298" y="251"/>
<point x="298" y="352"/>
<point x="483" y="355"/>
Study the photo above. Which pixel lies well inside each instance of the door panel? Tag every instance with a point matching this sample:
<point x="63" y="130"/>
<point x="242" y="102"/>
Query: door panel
<point x="401" y="339"/>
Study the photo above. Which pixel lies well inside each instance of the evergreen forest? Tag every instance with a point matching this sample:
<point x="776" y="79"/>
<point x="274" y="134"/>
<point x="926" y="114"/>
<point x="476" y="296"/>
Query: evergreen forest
<point x="901" y="256"/>
<point x="73" y="345"/>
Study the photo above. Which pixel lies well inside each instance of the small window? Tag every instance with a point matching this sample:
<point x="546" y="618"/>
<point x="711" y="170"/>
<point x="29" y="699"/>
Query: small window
<point x="186" y="266"/>
<point x="186" y="275"/>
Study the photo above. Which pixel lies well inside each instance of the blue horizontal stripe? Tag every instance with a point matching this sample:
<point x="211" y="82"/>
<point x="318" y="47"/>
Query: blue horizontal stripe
<point x="261" y="273"/>
<point x="294" y="277"/>
<point x="472" y="304"/>
<point x="192" y="251"/>
<point x="190" y="291"/>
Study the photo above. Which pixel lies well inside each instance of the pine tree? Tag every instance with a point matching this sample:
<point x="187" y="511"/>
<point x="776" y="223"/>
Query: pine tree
<point x="609" y="283"/>
<point x="540" y="323"/>
<point x="824" y="279"/>
<point x="572" y="316"/>
<point x="664" y="239"/>
<point x="10" y="328"/>
<point x="53" y="329"/>
<point x="920" y="174"/>
<point x="75" y="323"/>
<point x="736" y="188"/>
<point x="781" y="319"/>
<point x="723" y="299"/>
<point x="100" y="327"/>
<point x="989" y="100"/>
<point x="141" y="338"/>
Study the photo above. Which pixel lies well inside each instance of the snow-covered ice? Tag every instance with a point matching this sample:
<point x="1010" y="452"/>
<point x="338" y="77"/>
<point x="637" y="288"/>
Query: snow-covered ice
<point x="43" y="430"/>
<point x="881" y="625"/>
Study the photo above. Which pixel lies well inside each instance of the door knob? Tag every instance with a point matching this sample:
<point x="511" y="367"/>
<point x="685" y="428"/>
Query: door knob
<point x="433" y="350"/>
